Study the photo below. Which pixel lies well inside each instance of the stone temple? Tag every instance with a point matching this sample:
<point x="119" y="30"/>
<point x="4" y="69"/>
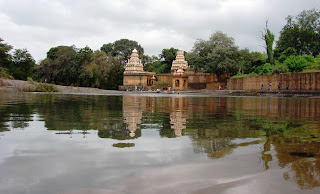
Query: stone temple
<point x="134" y="75"/>
<point x="180" y="62"/>
<point x="182" y="77"/>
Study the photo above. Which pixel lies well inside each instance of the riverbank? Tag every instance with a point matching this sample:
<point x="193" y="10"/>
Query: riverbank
<point x="20" y="86"/>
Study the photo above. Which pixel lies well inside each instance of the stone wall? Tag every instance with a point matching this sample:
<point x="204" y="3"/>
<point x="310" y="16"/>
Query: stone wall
<point x="195" y="81"/>
<point x="301" y="81"/>
<point x="136" y="79"/>
<point x="164" y="78"/>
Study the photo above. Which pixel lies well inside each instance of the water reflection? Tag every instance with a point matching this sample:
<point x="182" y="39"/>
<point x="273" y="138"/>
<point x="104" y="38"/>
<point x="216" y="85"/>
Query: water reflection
<point x="132" y="113"/>
<point x="178" y="115"/>
<point x="286" y="129"/>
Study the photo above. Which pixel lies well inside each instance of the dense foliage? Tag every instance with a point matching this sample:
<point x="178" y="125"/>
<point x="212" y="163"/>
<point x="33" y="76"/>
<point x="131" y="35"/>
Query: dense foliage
<point x="217" y="55"/>
<point x="21" y="65"/>
<point x="67" y="65"/>
<point x="123" y="48"/>
<point x="296" y="49"/>
<point x="163" y="63"/>
<point x="302" y="33"/>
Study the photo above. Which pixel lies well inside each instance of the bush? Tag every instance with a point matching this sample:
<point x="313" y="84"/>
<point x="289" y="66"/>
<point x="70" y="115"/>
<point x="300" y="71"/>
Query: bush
<point x="30" y="80"/>
<point x="280" y="68"/>
<point x="298" y="63"/>
<point x="3" y="73"/>
<point x="265" y="69"/>
<point x="46" y="88"/>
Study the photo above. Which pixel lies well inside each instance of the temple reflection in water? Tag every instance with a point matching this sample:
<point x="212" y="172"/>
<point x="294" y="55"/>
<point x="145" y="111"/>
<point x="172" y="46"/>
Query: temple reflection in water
<point x="178" y="115"/>
<point x="132" y="112"/>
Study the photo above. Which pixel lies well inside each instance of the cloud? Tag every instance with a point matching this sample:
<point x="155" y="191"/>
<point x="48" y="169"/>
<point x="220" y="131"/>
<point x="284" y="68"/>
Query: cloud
<point x="40" y="25"/>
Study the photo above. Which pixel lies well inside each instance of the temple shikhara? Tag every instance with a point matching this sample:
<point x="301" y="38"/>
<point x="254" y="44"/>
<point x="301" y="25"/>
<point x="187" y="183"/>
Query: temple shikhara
<point x="182" y="77"/>
<point x="134" y="75"/>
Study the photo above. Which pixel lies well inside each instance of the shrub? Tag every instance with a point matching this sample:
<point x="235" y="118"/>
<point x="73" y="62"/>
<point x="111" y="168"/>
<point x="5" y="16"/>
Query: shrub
<point x="30" y="80"/>
<point x="280" y="68"/>
<point x="298" y="63"/>
<point x="46" y="88"/>
<point x="265" y="69"/>
<point x="3" y="73"/>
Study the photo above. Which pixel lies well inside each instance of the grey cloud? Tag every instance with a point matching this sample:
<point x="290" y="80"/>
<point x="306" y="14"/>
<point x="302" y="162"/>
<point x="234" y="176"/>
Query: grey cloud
<point x="154" y="24"/>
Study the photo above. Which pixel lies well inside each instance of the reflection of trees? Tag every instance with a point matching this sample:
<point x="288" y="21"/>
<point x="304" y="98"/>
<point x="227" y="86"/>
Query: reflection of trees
<point x="215" y="138"/>
<point x="16" y="115"/>
<point x="306" y="172"/>
<point x="69" y="112"/>
<point x="212" y="127"/>
<point x="298" y="148"/>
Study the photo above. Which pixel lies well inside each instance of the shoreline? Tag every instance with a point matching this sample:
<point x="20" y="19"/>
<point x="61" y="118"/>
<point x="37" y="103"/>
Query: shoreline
<point x="13" y="86"/>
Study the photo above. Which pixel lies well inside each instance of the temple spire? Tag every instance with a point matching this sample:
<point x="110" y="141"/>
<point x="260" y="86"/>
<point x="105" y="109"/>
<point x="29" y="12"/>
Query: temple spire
<point x="134" y="64"/>
<point x="179" y="62"/>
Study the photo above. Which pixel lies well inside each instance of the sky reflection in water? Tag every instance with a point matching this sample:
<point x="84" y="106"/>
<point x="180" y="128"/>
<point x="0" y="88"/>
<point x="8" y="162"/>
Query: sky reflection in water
<point x="142" y="144"/>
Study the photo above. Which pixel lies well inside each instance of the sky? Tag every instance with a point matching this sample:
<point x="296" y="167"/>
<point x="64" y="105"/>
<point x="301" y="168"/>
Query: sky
<point x="39" y="25"/>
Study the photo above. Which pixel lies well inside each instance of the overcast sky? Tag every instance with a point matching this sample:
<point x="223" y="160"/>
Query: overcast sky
<point x="39" y="25"/>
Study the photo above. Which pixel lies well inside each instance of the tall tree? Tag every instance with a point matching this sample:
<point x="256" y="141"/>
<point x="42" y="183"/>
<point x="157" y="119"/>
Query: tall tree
<point x="56" y="68"/>
<point x="23" y="64"/>
<point x="104" y="71"/>
<point x="249" y="60"/>
<point x="217" y="55"/>
<point x="122" y="48"/>
<point x="268" y="38"/>
<point x="167" y="56"/>
<point x="302" y="32"/>
<point x="5" y="57"/>
<point x="83" y="57"/>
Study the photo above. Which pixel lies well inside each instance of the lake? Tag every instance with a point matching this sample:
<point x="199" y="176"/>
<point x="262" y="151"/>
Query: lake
<point x="156" y="143"/>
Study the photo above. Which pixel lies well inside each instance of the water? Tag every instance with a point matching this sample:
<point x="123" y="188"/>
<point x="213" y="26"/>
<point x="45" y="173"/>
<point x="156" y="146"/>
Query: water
<point x="54" y="143"/>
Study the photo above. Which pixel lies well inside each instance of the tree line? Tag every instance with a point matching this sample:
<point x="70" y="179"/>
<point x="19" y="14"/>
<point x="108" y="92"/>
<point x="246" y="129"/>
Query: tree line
<point x="295" y="50"/>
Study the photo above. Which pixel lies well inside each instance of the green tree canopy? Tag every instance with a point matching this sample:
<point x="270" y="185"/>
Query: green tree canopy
<point x="302" y="32"/>
<point x="167" y="56"/>
<point x="123" y="48"/>
<point x="217" y="55"/>
<point x="250" y="60"/>
<point x="83" y="57"/>
<point x="104" y="71"/>
<point x="23" y="64"/>
<point x="5" y="57"/>
<point x="56" y="68"/>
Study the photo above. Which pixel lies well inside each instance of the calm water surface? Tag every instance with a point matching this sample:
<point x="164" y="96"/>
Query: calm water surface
<point x="53" y="143"/>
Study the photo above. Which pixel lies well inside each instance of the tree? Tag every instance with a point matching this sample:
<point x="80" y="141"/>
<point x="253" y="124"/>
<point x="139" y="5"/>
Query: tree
<point x="194" y="61"/>
<point x="123" y="48"/>
<point x="104" y="71"/>
<point x="167" y="56"/>
<point x="297" y="64"/>
<point x="83" y="57"/>
<point x="23" y="64"/>
<point x="217" y="55"/>
<point x="107" y="48"/>
<point x="5" y="57"/>
<point x="249" y="60"/>
<point x="302" y="33"/>
<point x="268" y="38"/>
<point x="56" y="68"/>
<point x="153" y="64"/>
